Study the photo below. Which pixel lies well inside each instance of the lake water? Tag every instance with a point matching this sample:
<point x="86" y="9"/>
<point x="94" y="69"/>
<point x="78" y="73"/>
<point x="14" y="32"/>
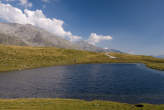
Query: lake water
<point x="130" y="83"/>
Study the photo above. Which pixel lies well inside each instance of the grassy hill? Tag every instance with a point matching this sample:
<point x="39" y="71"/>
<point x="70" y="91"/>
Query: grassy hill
<point x="19" y="58"/>
<point x="152" y="62"/>
<point x="68" y="104"/>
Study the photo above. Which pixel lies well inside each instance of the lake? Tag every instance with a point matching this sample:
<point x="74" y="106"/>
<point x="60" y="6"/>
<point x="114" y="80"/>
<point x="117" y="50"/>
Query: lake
<point x="129" y="83"/>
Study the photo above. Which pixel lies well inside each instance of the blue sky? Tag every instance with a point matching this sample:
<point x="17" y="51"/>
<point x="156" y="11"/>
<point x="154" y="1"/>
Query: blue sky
<point x="136" y="26"/>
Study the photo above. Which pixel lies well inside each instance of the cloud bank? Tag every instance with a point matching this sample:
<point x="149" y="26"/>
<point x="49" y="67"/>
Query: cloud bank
<point x="37" y="18"/>
<point x="94" y="38"/>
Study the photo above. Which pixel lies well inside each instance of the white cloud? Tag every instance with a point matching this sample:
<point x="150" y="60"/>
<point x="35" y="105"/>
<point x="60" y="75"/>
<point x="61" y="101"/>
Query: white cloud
<point x="11" y="14"/>
<point x="25" y="3"/>
<point x="36" y="18"/>
<point x="74" y="38"/>
<point x="94" y="38"/>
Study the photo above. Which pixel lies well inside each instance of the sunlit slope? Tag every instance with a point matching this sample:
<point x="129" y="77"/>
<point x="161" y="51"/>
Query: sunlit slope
<point x="68" y="104"/>
<point x="152" y="62"/>
<point x="19" y="58"/>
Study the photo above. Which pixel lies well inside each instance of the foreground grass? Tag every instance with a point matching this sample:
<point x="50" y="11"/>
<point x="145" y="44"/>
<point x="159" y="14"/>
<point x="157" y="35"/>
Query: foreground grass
<point x="19" y="58"/>
<point x="68" y="104"/>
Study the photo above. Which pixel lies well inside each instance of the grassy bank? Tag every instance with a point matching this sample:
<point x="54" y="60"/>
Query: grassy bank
<point x="19" y="58"/>
<point x="65" y="104"/>
<point x="152" y="62"/>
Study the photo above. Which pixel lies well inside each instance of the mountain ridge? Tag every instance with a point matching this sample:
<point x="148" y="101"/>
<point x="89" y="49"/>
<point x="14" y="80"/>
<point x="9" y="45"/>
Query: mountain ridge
<point x="29" y="35"/>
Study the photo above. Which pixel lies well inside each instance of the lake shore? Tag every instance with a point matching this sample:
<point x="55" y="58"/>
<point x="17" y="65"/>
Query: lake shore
<point x="70" y="104"/>
<point x="14" y="58"/>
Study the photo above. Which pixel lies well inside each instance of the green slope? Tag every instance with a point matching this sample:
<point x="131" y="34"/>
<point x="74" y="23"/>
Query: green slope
<point x="19" y="58"/>
<point x="63" y="104"/>
<point x="152" y="62"/>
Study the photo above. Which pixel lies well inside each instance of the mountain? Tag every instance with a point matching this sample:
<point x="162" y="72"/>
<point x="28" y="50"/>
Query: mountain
<point x="11" y="40"/>
<point x="86" y="46"/>
<point x="29" y="35"/>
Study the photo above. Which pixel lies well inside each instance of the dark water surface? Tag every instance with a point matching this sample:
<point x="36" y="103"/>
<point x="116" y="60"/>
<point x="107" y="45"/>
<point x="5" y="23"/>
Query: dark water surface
<point x="130" y="83"/>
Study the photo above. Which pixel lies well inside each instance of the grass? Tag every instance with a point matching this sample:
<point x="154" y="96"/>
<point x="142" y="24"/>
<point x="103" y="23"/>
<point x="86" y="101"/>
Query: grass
<point x="69" y="104"/>
<point x="151" y="62"/>
<point x="19" y="58"/>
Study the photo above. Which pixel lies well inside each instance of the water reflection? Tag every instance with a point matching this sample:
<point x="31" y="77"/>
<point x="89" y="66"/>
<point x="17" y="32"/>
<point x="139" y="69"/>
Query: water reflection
<point x="131" y="83"/>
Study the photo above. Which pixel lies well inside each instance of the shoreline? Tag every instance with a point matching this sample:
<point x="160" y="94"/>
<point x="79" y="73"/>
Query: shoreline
<point x="71" y="104"/>
<point x="16" y="58"/>
<point x="13" y="58"/>
<point x="146" y="65"/>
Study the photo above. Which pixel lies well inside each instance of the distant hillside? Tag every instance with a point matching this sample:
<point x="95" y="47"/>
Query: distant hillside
<point x="23" y="57"/>
<point x="28" y="35"/>
<point x="11" y="40"/>
<point x="86" y="46"/>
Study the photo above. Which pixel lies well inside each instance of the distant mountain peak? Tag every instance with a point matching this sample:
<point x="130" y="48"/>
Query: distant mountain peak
<point x="30" y="35"/>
